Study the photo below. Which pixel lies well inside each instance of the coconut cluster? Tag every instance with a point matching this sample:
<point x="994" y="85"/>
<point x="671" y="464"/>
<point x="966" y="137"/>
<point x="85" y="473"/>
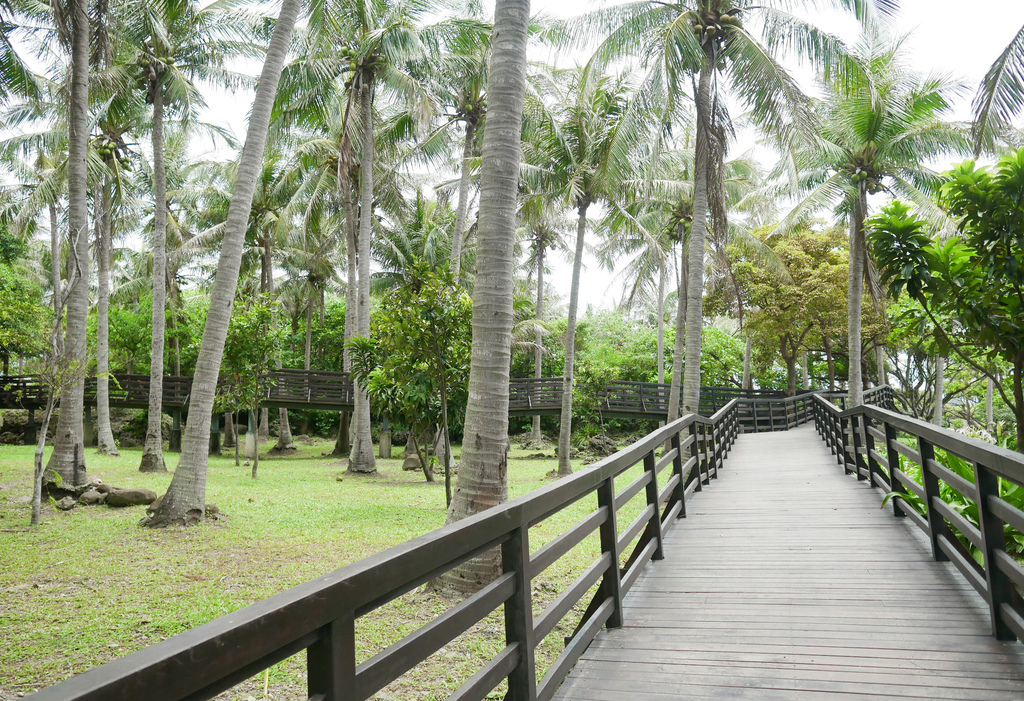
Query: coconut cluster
<point x="862" y="169"/>
<point x="111" y="149"/>
<point x="712" y="25"/>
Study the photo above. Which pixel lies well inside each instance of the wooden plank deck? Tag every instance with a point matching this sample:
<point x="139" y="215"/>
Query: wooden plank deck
<point x="787" y="581"/>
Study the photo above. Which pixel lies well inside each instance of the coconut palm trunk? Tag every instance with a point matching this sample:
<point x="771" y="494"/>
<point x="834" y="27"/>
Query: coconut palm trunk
<point x="342" y="443"/>
<point x="679" y="349"/>
<point x="856" y="298"/>
<point x="153" y="452"/>
<point x="989" y="412"/>
<point x="185" y="500"/>
<point x="67" y="464"/>
<point x="483" y="472"/>
<point x="661" y="323"/>
<point x="362" y="459"/>
<point x="461" y="213"/>
<point x="55" y="260"/>
<point x="565" y="424"/>
<point x="806" y="370"/>
<point x="538" y="338"/>
<point x="284" y="427"/>
<point x="940" y="390"/>
<point x="883" y="377"/>
<point x="105" y="436"/>
<point x="748" y="348"/>
<point x="698" y="235"/>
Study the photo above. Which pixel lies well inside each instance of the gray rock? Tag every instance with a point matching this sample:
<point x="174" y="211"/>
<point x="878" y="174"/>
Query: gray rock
<point x="66" y="504"/>
<point x="130" y="497"/>
<point x="91" y="498"/>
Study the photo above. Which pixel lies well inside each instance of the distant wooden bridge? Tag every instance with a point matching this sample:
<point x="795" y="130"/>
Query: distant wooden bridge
<point x="784" y="581"/>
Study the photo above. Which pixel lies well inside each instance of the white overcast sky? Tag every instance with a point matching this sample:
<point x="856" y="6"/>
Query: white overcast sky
<point x="943" y="38"/>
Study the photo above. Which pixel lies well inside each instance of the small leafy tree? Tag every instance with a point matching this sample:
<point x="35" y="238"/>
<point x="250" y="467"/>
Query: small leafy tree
<point x="971" y="287"/>
<point x="416" y="365"/>
<point x="250" y="349"/>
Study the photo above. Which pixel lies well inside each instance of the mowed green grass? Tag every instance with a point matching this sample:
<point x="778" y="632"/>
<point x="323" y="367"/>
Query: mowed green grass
<point x="90" y="585"/>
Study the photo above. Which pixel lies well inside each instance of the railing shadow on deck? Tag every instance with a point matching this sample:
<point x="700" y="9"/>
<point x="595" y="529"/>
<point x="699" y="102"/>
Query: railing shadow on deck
<point x="319" y="616"/>
<point x="881" y="447"/>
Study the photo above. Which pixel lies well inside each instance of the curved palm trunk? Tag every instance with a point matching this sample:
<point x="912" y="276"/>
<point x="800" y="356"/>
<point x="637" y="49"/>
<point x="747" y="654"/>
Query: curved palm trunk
<point x="55" y="262"/>
<point x="362" y="459"/>
<point x="463" y="206"/>
<point x="185" y="501"/>
<point x="856" y="299"/>
<point x="483" y="473"/>
<point x="748" y="348"/>
<point x="679" y="348"/>
<point x="67" y="462"/>
<point x="538" y="337"/>
<point x="698" y="235"/>
<point x="565" y="424"/>
<point x="105" y="436"/>
<point x="342" y="444"/>
<point x="661" y="324"/>
<point x="153" y="452"/>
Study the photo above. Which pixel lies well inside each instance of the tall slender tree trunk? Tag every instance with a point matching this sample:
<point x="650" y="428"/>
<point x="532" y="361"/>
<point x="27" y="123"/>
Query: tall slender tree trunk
<point x="830" y="361"/>
<point x="856" y="298"/>
<point x="55" y="262"/>
<point x="153" y="452"/>
<point x="105" y="442"/>
<point x="1018" y="399"/>
<point x="284" y="427"/>
<point x="483" y="473"/>
<point x="806" y="370"/>
<point x="679" y="349"/>
<point x="662" y="274"/>
<point x="461" y="213"/>
<point x="989" y="412"/>
<point x="185" y="501"/>
<point x="565" y="424"/>
<point x="362" y="459"/>
<point x="538" y="337"/>
<point x="698" y="236"/>
<point x="940" y="390"/>
<point x="883" y="377"/>
<point x="67" y="462"/>
<point x="342" y="443"/>
<point x="748" y="349"/>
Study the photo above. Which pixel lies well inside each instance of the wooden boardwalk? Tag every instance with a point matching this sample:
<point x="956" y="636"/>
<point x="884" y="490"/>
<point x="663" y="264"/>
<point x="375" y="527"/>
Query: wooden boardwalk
<point x="787" y="581"/>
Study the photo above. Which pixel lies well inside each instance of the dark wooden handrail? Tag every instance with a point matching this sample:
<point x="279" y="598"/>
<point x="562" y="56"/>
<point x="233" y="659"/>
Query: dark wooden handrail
<point x="866" y="441"/>
<point x="319" y="616"/>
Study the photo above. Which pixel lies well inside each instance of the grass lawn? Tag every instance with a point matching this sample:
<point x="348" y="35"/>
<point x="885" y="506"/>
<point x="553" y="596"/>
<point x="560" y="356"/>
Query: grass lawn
<point x="90" y="585"/>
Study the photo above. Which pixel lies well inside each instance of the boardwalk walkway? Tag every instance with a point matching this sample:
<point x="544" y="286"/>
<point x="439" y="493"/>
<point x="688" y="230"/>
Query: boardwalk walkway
<point x="787" y="581"/>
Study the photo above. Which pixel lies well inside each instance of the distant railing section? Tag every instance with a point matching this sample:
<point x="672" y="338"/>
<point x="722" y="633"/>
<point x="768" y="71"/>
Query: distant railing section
<point x="953" y="487"/>
<point x="320" y="616"/>
<point x="534" y="395"/>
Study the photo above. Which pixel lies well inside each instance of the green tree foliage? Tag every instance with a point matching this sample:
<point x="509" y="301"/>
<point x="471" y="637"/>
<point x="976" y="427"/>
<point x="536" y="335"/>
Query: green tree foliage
<point x="24" y="318"/>
<point x="253" y="342"/>
<point x="415" y="366"/>
<point x="976" y="279"/>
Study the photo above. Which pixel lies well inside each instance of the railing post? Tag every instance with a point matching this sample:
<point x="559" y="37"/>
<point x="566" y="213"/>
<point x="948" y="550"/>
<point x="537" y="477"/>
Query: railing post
<point x="695" y="453"/>
<point x="331" y="661"/>
<point x="893" y="457"/>
<point x="654" y="525"/>
<point x="857" y="427"/>
<point x="869" y="445"/>
<point x="843" y="441"/>
<point x="515" y="558"/>
<point x="677" y="468"/>
<point x="931" y="491"/>
<point x="611" y="583"/>
<point x="993" y="539"/>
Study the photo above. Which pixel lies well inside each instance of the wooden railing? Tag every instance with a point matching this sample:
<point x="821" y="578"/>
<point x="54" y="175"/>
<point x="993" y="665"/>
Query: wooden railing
<point x="958" y="503"/>
<point x="627" y="399"/>
<point x="534" y="395"/>
<point x="320" y="616"/>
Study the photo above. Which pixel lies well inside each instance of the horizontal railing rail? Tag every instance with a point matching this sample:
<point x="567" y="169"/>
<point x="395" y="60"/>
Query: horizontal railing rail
<point x="320" y="616"/>
<point x="652" y="398"/>
<point x="957" y="489"/>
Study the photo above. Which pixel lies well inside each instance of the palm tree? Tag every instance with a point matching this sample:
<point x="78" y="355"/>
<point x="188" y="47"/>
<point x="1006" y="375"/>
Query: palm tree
<point x="483" y="472"/>
<point x="185" y="500"/>
<point x="1000" y="96"/>
<point x="583" y="147"/>
<point x="177" y="42"/>
<point x="67" y="462"/>
<point x="880" y="123"/>
<point x="706" y="41"/>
